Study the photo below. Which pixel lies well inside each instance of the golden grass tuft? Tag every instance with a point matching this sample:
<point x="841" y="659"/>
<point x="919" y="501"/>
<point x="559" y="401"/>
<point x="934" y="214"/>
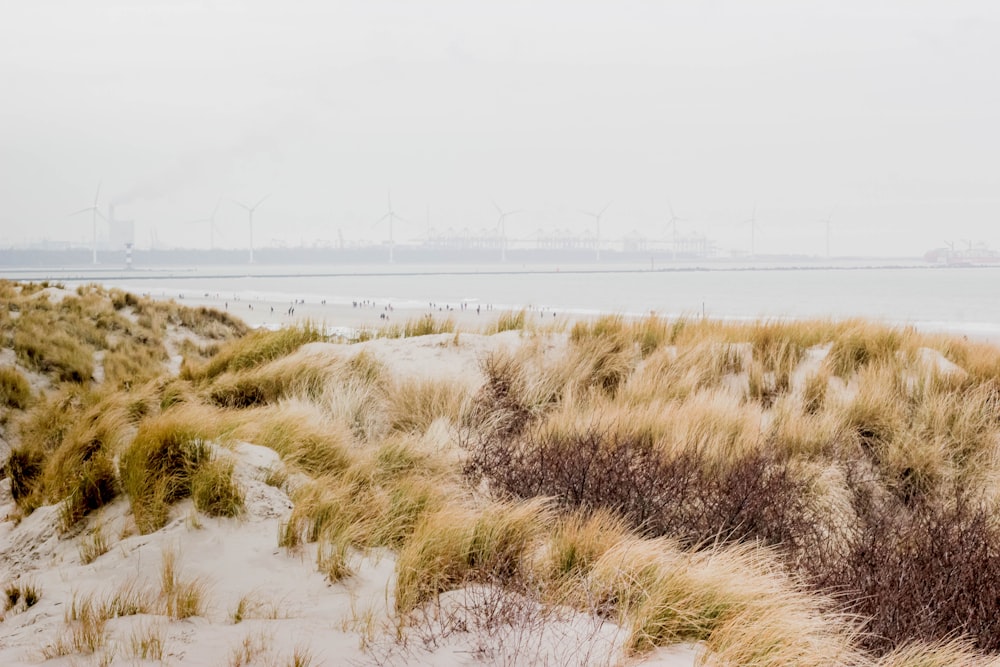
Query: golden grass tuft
<point x="253" y="649"/>
<point x="508" y="321"/>
<point x="214" y="490"/>
<point x="24" y="594"/>
<point x="94" y="546"/>
<point x="425" y="325"/>
<point x="305" y="437"/>
<point x="415" y="404"/>
<point x="255" y="349"/>
<point x="333" y="559"/>
<point x="129" y="363"/>
<point x="452" y="546"/>
<point x="859" y="344"/>
<point x="647" y="333"/>
<point x="181" y="598"/>
<point x="15" y="391"/>
<point x="294" y="375"/>
<point x="66" y="451"/>
<point x="578" y="541"/>
<point x="41" y="344"/>
<point x="357" y="398"/>
<point x="734" y="599"/>
<point x="373" y="503"/>
<point x="254" y="605"/>
<point x="147" y="641"/>
<point x="158" y="466"/>
<point x="943" y="654"/>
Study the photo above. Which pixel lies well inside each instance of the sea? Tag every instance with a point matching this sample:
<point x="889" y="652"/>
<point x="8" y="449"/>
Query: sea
<point x="929" y="297"/>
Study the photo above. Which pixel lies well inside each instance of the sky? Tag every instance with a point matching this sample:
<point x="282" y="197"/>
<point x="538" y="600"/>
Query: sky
<point x="880" y="116"/>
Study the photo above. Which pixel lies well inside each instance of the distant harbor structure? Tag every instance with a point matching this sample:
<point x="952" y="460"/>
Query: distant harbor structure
<point x="973" y="254"/>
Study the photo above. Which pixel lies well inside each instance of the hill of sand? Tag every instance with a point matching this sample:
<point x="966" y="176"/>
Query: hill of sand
<point x="261" y="604"/>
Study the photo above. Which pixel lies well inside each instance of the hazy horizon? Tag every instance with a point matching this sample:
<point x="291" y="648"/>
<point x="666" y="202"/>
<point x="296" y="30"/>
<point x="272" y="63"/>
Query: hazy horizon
<point x="882" y="114"/>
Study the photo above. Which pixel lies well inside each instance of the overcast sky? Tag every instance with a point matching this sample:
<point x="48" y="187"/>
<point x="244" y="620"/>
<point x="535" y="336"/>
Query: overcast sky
<point x="886" y="113"/>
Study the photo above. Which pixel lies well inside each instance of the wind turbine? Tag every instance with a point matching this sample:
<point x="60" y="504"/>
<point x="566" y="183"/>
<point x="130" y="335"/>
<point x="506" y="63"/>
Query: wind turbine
<point x="597" y="224"/>
<point x="826" y="222"/>
<point x="250" y="210"/>
<point x="211" y="224"/>
<point x="390" y="215"/>
<point x="673" y="224"/>
<point x="502" y="226"/>
<point x="753" y="230"/>
<point x="94" y="212"/>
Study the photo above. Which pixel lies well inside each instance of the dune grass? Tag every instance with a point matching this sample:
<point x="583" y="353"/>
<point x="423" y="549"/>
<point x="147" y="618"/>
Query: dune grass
<point x="15" y="392"/>
<point x="689" y="479"/>
<point x="415" y="404"/>
<point x="452" y="547"/>
<point x="303" y="435"/>
<point x="23" y="594"/>
<point x="425" y="325"/>
<point x="255" y="349"/>
<point x="213" y="489"/>
<point x="513" y="320"/>
<point x="158" y="467"/>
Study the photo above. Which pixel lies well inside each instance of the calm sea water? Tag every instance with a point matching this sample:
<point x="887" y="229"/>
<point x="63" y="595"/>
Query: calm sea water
<point x="933" y="298"/>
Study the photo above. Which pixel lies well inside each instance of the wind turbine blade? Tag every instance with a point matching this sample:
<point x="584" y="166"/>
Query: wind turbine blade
<point x="216" y="209"/>
<point x="399" y="217"/>
<point x="82" y="210"/>
<point x="497" y="207"/>
<point x="604" y="209"/>
<point x="381" y="219"/>
<point x="241" y="204"/>
<point x="262" y="200"/>
<point x="98" y="193"/>
<point x="670" y="207"/>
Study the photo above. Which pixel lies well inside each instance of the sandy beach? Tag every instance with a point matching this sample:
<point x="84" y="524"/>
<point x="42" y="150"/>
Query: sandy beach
<point x="270" y="314"/>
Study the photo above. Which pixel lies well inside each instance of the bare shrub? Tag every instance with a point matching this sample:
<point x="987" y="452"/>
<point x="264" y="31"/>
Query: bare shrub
<point x="756" y="497"/>
<point x="926" y="571"/>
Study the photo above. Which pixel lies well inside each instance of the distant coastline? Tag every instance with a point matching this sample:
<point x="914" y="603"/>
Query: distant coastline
<point x="14" y="261"/>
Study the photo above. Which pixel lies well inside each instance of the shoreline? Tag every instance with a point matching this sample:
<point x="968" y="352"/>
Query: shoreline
<point x="367" y="305"/>
<point x="264" y="311"/>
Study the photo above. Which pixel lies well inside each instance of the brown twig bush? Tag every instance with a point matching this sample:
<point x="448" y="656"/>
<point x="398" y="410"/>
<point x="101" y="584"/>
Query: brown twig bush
<point x="756" y="497"/>
<point x="927" y="571"/>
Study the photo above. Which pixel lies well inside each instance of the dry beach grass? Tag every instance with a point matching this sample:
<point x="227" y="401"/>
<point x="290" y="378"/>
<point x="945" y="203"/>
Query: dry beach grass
<point x="770" y="493"/>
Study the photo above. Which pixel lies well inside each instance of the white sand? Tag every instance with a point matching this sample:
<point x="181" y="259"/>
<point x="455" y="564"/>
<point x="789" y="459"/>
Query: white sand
<point x="291" y="605"/>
